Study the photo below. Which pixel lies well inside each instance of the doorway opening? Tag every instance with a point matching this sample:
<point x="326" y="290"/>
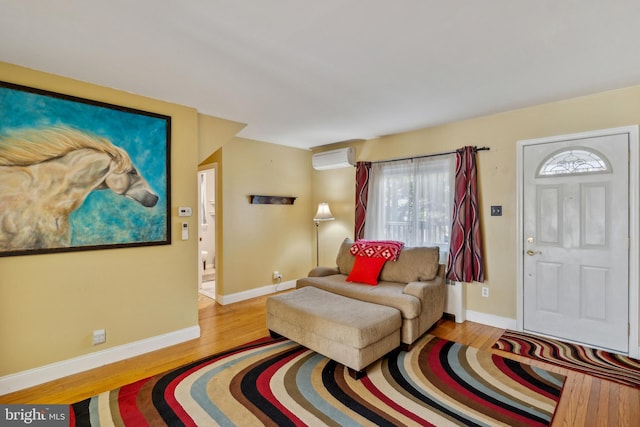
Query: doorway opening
<point x="207" y="231"/>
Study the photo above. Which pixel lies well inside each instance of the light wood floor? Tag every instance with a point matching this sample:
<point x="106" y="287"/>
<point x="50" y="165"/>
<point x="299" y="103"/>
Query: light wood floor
<point x="585" y="401"/>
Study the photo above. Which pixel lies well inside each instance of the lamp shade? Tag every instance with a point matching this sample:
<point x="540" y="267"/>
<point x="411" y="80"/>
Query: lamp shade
<point x="324" y="213"/>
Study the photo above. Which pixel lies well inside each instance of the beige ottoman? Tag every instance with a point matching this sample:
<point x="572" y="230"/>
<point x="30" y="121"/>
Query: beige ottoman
<point x="352" y="332"/>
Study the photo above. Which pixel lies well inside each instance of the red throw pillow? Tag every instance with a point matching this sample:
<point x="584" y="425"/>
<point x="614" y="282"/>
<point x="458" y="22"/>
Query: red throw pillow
<point x="366" y="270"/>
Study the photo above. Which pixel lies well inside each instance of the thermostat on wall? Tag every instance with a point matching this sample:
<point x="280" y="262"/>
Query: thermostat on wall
<point x="184" y="211"/>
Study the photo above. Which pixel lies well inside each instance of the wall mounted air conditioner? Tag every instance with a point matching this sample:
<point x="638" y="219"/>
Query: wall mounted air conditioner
<point x="334" y="159"/>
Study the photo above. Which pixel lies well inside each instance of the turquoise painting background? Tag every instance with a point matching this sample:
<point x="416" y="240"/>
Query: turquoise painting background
<point x="105" y="217"/>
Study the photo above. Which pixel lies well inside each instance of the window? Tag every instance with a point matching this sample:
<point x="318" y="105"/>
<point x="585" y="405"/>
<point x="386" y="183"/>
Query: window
<point x="410" y="201"/>
<point x="576" y="160"/>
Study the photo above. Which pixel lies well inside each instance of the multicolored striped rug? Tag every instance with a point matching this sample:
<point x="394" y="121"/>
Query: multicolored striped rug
<point x="598" y="363"/>
<point x="278" y="383"/>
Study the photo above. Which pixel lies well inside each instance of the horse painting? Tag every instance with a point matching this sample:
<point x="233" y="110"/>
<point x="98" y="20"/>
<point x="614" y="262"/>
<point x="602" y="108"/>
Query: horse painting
<point x="47" y="173"/>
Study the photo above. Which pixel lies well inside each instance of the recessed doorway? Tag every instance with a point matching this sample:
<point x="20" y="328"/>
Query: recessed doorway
<point x="207" y="231"/>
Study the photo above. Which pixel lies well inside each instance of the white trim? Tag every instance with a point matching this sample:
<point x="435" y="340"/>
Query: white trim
<point x="213" y="168"/>
<point x="634" y="241"/>
<point x="57" y="370"/>
<point x="256" y="292"/>
<point x="491" y="320"/>
<point x="519" y="235"/>
<point x="634" y="218"/>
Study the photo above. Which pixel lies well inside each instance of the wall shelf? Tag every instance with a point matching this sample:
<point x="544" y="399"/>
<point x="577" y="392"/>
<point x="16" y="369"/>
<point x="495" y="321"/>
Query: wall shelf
<point x="255" y="199"/>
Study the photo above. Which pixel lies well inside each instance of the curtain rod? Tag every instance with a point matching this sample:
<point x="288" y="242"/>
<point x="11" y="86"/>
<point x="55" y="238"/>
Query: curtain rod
<point x="428" y="155"/>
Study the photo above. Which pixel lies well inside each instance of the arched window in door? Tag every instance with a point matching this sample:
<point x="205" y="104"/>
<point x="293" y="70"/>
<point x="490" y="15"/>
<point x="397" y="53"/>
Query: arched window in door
<point x="575" y="160"/>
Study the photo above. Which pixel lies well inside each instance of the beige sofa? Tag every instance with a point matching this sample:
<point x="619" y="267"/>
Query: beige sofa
<point x="413" y="284"/>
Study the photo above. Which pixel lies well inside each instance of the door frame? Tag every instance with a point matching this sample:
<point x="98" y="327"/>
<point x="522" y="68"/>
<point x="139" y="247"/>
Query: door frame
<point x="213" y="167"/>
<point x="634" y="218"/>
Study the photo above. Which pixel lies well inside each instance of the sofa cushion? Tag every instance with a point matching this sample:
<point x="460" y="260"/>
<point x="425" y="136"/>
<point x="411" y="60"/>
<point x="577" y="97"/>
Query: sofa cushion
<point x="390" y="294"/>
<point x="366" y="270"/>
<point x="413" y="265"/>
<point x="344" y="259"/>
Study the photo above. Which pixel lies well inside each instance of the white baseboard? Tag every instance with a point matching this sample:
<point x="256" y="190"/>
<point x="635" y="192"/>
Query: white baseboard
<point x="491" y="320"/>
<point x="256" y="292"/>
<point x="54" y="371"/>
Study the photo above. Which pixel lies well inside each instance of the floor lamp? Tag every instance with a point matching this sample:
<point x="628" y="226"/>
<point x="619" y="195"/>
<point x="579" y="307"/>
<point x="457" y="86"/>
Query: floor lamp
<point x="323" y="214"/>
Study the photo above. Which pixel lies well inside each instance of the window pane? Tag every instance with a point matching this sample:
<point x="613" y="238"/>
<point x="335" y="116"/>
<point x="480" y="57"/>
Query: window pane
<point x="410" y="201"/>
<point x="433" y="196"/>
<point x="574" y="161"/>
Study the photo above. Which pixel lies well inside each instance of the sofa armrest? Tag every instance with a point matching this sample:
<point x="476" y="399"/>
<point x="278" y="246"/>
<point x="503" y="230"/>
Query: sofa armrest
<point x="425" y="290"/>
<point x="323" y="271"/>
<point x="430" y="288"/>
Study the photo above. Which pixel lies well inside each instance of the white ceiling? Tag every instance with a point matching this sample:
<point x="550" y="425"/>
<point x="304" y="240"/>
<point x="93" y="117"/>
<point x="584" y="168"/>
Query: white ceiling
<point x="306" y="73"/>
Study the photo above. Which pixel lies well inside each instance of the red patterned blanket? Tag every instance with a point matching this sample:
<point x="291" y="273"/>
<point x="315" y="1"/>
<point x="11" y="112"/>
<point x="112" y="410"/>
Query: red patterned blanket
<point x="387" y="249"/>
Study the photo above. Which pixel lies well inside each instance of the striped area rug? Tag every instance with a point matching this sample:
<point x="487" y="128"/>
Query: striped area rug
<point x="279" y="383"/>
<point x="598" y="363"/>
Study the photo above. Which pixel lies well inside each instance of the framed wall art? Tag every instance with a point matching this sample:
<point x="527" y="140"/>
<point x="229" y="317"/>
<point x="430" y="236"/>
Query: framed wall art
<point x="77" y="174"/>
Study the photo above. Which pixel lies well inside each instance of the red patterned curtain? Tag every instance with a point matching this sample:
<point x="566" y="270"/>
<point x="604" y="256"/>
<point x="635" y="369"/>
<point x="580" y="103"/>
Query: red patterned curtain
<point x="466" y="261"/>
<point x="362" y="195"/>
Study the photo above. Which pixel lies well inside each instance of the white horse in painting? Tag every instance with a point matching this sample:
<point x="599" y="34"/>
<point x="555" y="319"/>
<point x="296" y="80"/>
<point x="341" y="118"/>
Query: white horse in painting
<point x="45" y="174"/>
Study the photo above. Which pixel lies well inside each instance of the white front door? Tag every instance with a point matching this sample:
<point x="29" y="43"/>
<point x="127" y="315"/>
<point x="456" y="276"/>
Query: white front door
<point x="575" y="224"/>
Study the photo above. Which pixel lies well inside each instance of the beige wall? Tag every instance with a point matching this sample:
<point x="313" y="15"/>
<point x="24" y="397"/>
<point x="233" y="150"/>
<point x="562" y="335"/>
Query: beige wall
<point x="51" y="303"/>
<point x="258" y="239"/>
<point x="213" y="133"/>
<point x="252" y="241"/>
<point x="336" y="187"/>
<point x="497" y="172"/>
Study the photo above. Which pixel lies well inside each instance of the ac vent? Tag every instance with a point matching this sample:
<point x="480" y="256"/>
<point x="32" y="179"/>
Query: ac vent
<point x="334" y="159"/>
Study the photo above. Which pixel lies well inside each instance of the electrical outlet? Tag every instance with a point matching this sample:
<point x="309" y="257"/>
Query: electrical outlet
<point x="485" y="292"/>
<point x="184" y="211"/>
<point x="277" y="275"/>
<point x="99" y="336"/>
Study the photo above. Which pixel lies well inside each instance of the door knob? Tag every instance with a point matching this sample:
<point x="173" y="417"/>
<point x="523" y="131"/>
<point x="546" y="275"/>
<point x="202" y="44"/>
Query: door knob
<point x="532" y="253"/>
